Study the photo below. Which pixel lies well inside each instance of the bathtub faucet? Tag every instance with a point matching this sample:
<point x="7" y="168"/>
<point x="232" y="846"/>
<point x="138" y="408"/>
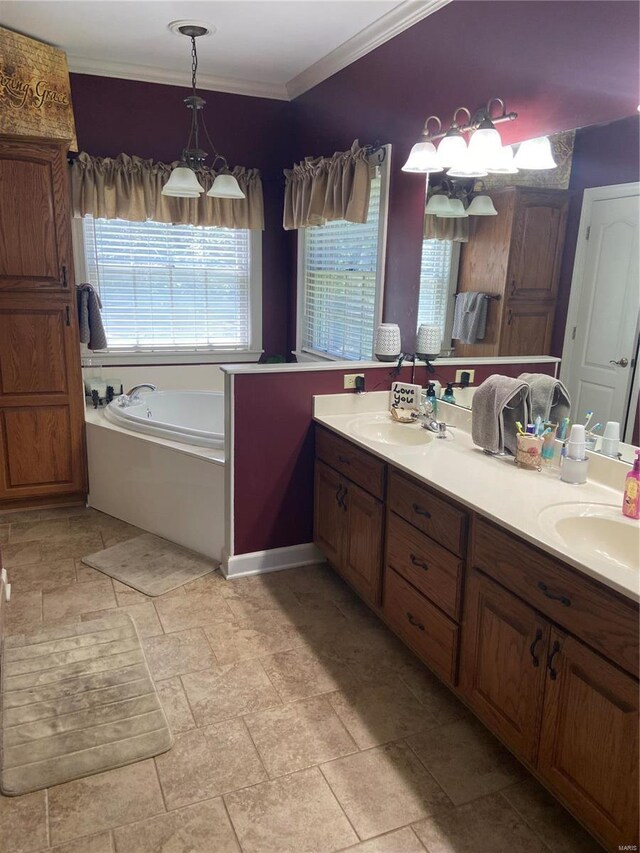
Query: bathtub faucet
<point x="128" y="398"/>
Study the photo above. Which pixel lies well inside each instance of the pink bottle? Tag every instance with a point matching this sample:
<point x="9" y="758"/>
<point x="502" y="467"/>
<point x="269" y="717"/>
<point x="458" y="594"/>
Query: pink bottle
<point x="631" y="502"/>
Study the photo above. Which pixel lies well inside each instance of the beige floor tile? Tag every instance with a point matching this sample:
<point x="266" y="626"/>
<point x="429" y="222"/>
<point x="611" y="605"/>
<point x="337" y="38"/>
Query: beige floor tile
<point x="486" y="825"/>
<point x="292" y="814"/>
<point x="44" y="576"/>
<point x="383" y="788"/>
<point x="206" y="762"/>
<point x="78" y="598"/>
<point x="176" y="707"/>
<point x="28" y="531"/>
<point x="399" y="841"/>
<point x="379" y="713"/>
<point x="4" y="532"/>
<point x="548" y="819"/>
<point x="301" y="672"/>
<point x="86" y="573"/>
<point x="179" y="653"/>
<point x="436" y="698"/>
<point x="64" y="511"/>
<point x="318" y="580"/>
<point x="18" y="515"/>
<point x="23" y="823"/>
<point x="23" y="613"/>
<point x="466" y="760"/>
<point x="75" y="545"/>
<point x="127" y="596"/>
<point x="144" y="615"/>
<point x="191" y="610"/>
<point x="279" y="601"/>
<point x="104" y="801"/>
<point x="298" y="735"/>
<point x="202" y="828"/>
<point x="22" y="553"/>
<point x="101" y="843"/>
<point x="228" y="690"/>
<point x="370" y="649"/>
<point x="240" y="639"/>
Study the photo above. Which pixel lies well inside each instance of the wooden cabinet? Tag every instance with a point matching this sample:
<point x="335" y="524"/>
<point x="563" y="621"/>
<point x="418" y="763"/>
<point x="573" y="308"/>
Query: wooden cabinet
<point x="329" y="521"/>
<point x="516" y="256"/>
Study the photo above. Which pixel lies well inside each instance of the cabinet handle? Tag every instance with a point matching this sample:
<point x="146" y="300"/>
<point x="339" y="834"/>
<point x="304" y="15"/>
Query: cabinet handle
<point x="553" y="673"/>
<point x="513" y="286"/>
<point x="67" y="312"/>
<point x="532" y="647"/>
<point x="421" y="511"/>
<point x="419" y="563"/>
<point x="344" y="459"/>
<point x="509" y="317"/>
<point x="345" y="492"/>
<point x="414" y="622"/>
<point x="65" y="282"/>
<point x="338" y="490"/>
<point x="552" y="595"/>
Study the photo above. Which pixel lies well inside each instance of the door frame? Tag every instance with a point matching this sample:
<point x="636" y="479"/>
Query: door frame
<point x="590" y="195"/>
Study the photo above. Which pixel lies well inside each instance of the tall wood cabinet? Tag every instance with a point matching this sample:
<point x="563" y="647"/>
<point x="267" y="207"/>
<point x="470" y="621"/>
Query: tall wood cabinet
<point x="42" y="452"/>
<point x="516" y="256"/>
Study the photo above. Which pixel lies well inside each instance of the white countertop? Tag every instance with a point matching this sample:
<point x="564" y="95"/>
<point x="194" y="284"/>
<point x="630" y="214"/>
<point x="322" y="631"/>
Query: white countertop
<point x="494" y="486"/>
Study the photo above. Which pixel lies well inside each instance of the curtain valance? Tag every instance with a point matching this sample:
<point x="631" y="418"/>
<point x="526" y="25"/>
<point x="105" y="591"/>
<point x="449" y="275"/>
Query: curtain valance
<point x="327" y="188"/>
<point x="131" y="188"/>
<point x="449" y="228"/>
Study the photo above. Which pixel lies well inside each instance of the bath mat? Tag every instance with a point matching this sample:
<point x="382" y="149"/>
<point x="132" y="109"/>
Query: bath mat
<point x="76" y="700"/>
<point x="150" y="564"/>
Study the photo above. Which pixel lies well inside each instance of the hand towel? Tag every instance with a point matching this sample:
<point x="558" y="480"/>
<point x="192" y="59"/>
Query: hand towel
<point x="92" y="330"/>
<point x="497" y="404"/>
<point x="470" y="317"/>
<point x="549" y="397"/>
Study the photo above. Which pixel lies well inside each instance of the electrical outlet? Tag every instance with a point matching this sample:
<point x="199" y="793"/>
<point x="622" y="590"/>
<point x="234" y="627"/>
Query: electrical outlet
<point x="350" y="380"/>
<point x="471" y="374"/>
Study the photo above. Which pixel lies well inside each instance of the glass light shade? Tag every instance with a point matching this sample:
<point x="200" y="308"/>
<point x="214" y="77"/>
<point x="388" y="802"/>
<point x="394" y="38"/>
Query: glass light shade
<point x="225" y="186"/>
<point x="485" y="145"/>
<point x="428" y="341"/>
<point x="467" y="167"/>
<point x="535" y="154"/>
<point x="503" y="163"/>
<point x="437" y="205"/>
<point x="482" y="205"/>
<point x="456" y="210"/>
<point x="423" y="157"/>
<point x="183" y="183"/>
<point x="451" y="148"/>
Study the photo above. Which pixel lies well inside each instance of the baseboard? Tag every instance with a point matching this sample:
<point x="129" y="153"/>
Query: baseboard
<point x="273" y="560"/>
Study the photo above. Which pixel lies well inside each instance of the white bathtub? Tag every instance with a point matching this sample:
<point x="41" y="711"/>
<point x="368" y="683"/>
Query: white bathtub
<point x="191" y="417"/>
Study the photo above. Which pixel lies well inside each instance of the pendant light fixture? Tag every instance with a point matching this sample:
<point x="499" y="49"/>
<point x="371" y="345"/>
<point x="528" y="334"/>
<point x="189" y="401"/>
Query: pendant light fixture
<point x="183" y="181"/>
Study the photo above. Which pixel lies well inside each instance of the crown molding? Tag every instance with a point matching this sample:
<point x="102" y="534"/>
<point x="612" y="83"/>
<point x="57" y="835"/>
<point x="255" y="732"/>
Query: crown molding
<point x="392" y="24"/>
<point x="151" y="74"/>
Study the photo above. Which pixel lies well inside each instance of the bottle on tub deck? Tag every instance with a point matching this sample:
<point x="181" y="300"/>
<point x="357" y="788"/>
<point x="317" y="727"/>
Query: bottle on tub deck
<point x="575" y="464"/>
<point x="631" y="502"/>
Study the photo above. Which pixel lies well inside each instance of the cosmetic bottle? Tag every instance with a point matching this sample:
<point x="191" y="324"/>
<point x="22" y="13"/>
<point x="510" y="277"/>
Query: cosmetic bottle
<point x="575" y="464"/>
<point x="631" y="502"/>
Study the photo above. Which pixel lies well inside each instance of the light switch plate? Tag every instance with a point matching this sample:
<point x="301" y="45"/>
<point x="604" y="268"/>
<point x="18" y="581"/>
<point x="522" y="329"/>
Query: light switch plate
<point x="350" y="380"/>
<point x="472" y="375"/>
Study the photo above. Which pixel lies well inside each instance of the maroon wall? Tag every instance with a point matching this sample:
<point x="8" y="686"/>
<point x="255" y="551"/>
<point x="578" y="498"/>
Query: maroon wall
<point x="560" y="65"/>
<point x="150" y="120"/>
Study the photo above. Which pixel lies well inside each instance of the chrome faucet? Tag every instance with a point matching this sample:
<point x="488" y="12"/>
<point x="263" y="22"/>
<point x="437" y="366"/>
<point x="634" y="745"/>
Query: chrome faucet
<point x="129" y="398"/>
<point x="431" y="423"/>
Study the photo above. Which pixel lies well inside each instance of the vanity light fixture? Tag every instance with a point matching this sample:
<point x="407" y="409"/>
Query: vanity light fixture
<point x="456" y="210"/>
<point x="423" y="157"/>
<point x="183" y="181"/>
<point x="535" y="154"/>
<point x="503" y="163"/>
<point x="438" y="205"/>
<point x="482" y="205"/>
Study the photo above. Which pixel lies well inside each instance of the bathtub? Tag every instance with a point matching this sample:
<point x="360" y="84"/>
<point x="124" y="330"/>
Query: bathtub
<point x="190" y="417"/>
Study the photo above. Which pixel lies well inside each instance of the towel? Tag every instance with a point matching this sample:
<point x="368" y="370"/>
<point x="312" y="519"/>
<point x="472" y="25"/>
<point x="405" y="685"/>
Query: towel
<point x="497" y="404"/>
<point x="89" y="317"/>
<point x="549" y="397"/>
<point x="470" y="317"/>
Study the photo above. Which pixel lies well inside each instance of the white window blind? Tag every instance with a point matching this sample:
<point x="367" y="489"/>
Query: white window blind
<point x="170" y="287"/>
<point x="438" y="274"/>
<point x="341" y="284"/>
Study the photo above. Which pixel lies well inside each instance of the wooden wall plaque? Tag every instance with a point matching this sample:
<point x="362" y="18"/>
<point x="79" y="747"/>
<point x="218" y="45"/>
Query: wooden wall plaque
<point x="35" y="94"/>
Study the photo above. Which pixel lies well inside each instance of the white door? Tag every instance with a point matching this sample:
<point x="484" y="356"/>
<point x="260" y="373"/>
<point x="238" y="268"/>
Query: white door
<point x="602" y="325"/>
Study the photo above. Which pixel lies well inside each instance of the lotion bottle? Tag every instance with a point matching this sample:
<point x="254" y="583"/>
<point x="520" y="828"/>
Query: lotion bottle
<point x="631" y="502"/>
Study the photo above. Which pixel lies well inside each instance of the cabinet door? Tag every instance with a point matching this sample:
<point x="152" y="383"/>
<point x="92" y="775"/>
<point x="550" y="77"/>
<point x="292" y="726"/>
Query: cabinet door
<point x="504" y="644"/>
<point x="589" y="743"/>
<point x="35" y="236"/>
<point x="330" y="514"/>
<point x="536" y="245"/>
<point x="527" y="328"/>
<point x="41" y="399"/>
<point x="363" y="543"/>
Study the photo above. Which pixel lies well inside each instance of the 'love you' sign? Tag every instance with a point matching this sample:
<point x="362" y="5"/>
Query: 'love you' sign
<point x="405" y="395"/>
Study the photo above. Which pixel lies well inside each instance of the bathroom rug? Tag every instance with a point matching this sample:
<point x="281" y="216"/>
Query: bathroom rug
<point x="150" y="564"/>
<point x="76" y="700"/>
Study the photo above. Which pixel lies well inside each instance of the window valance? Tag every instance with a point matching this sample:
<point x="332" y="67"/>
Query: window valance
<point x="328" y="188"/>
<point x="450" y="228"/>
<point x="131" y="188"/>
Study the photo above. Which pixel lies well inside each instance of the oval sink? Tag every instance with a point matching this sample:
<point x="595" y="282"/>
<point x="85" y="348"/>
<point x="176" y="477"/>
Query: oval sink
<point x="595" y="529"/>
<point x="384" y="430"/>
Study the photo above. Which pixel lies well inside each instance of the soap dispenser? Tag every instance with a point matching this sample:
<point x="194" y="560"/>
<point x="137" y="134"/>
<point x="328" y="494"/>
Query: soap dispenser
<point x="574" y="467"/>
<point x="432" y="398"/>
<point x="631" y="502"/>
<point x="448" y="395"/>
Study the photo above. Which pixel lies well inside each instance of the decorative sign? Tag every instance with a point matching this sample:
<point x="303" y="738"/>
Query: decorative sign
<point x="405" y="395"/>
<point x="35" y="96"/>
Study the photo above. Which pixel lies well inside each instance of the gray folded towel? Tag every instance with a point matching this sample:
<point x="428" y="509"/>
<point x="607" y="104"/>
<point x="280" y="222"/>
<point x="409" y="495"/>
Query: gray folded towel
<point x="497" y="404"/>
<point x="92" y="330"/>
<point x="549" y="397"/>
<point x="470" y="317"/>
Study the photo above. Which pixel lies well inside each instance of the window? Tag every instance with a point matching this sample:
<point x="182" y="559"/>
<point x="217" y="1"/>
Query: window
<point x="340" y="281"/>
<point x="174" y="288"/>
<point x="438" y="278"/>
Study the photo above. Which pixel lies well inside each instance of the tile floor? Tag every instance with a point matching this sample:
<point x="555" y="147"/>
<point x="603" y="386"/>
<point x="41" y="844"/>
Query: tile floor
<point x="301" y="724"/>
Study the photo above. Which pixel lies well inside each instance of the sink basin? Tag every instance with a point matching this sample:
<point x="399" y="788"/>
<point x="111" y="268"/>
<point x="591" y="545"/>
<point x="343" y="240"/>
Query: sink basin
<point x="596" y="530"/>
<point x="383" y="430"/>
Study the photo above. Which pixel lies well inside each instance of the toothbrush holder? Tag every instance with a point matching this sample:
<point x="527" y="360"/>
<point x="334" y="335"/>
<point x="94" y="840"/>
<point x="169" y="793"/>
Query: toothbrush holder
<point x="529" y="452"/>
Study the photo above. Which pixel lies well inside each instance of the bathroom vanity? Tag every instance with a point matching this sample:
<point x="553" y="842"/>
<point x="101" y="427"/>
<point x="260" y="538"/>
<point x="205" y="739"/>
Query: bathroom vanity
<point x="541" y="645"/>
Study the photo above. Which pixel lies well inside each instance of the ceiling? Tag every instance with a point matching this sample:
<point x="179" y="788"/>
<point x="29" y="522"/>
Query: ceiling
<point x="273" y="48"/>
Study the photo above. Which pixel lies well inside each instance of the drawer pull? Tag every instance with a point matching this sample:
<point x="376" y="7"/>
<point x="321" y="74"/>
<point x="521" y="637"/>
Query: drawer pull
<point x="553" y="673"/>
<point x="341" y="495"/>
<point x="532" y="647"/>
<point x="414" y="622"/>
<point x="344" y="459"/>
<point x="561" y="598"/>
<point x="67" y="315"/>
<point x="65" y="282"/>
<point x="421" y="511"/>
<point x="418" y="563"/>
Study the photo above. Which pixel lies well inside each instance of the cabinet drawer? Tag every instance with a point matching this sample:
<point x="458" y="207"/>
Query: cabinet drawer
<point x="422" y="626"/>
<point x="433" y="515"/>
<point x="432" y="569"/>
<point x="356" y="464"/>
<point x="599" y="617"/>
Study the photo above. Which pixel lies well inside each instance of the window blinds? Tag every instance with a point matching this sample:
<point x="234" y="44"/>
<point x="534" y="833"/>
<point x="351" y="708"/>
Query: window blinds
<point x="170" y="287"/>
<point x="436" y="285"/>
<point x="339" y="287"/>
